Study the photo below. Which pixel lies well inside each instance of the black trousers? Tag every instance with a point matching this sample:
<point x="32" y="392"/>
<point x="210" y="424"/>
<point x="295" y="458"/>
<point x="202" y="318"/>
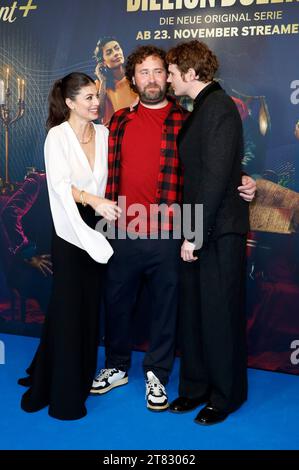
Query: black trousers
<point x="155" y="262"/>
<point x="65" y="362"/>
<point x="212" y="324"/>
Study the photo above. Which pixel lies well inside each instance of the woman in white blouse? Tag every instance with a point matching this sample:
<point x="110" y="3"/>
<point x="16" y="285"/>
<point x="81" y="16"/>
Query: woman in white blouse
<point x="62" y="370"/>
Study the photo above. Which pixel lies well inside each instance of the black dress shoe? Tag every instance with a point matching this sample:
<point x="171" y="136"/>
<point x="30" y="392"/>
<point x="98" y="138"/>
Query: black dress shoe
<point x="184" y="404"/>
<point x="210" y="415"/>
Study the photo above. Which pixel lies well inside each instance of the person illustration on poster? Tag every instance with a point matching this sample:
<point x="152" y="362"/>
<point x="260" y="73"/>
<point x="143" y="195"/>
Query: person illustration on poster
<point x="114" y="89"/>
<point x="61" y="373"/>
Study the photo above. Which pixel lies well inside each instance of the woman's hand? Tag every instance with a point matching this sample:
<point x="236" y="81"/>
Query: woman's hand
<point x="135" y="102"/>
<point x="42" y="263"/>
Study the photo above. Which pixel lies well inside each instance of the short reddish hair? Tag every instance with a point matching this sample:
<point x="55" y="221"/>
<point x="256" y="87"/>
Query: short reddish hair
<point x="194" y="55"/>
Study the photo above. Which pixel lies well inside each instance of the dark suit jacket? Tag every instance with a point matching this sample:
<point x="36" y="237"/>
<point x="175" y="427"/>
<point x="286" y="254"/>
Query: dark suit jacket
<point x="211" y="149"/>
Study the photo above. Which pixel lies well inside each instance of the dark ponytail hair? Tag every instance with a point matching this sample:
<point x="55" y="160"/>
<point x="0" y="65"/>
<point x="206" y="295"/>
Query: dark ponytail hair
<point x="66" y="87"/>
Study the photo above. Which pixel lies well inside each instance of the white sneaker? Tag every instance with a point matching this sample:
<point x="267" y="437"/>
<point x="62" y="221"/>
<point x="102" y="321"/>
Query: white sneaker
<point x="156" y="396"/>
<point x="108" y="379"/>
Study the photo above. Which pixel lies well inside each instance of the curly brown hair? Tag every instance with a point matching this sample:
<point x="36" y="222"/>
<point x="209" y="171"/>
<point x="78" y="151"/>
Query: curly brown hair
<point x="194" y="55"/>
<point x="138" y="56"/>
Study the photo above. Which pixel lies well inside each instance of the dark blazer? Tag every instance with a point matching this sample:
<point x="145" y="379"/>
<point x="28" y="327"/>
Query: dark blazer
<point x="211" y="149"/>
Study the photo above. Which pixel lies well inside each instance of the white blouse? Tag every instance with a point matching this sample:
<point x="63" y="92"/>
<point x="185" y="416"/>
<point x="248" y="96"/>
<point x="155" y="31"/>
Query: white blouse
<point x="67" y="165"/>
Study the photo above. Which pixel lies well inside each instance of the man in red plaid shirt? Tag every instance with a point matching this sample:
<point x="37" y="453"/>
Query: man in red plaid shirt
<point x="144" y="168"/>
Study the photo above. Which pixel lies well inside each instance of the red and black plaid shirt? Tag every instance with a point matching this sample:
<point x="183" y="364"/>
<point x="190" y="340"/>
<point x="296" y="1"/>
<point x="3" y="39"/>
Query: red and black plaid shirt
<point x="169" y="188"/>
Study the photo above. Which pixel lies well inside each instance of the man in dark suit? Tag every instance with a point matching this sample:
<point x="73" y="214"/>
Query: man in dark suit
<point x="212" y="323"/>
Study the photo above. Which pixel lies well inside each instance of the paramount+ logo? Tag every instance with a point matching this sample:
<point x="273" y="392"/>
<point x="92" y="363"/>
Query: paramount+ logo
<point x="294" y="357"/>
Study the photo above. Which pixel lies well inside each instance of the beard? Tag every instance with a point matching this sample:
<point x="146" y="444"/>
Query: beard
<point x="155" y="96"/>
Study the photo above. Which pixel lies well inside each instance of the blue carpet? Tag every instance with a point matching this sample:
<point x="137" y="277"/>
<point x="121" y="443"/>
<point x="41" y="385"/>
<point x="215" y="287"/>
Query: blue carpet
<point x="120" y="420"/>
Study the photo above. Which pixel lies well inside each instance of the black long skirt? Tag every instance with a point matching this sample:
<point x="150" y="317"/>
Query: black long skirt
<point x="64" y="365"/>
